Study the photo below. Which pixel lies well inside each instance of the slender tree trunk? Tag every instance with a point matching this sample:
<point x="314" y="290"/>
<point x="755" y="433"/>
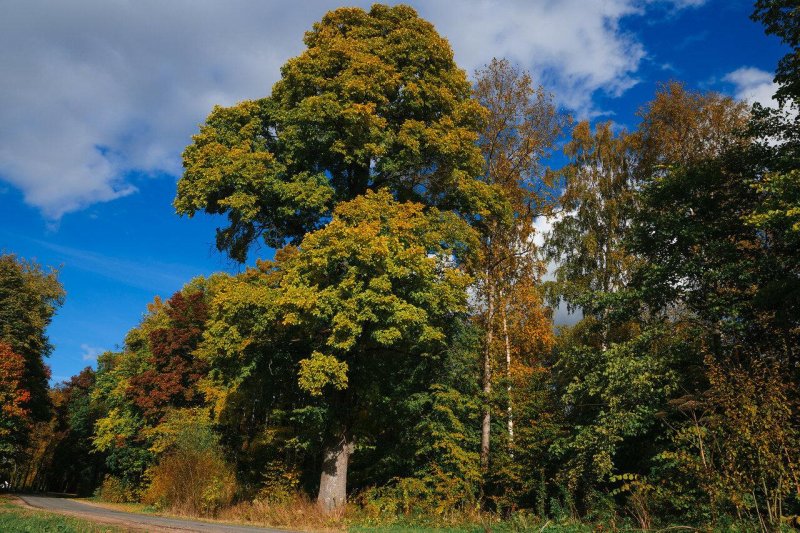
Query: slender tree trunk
<point x="508" y="377"/>
<point x="23" y="483"/>
<point x="487" y="378"/>
<point x="606" y="290"/>
<point x="333" y="480"/>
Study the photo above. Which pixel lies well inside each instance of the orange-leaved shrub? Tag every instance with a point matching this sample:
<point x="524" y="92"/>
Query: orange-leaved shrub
<point x="192" y="475"/>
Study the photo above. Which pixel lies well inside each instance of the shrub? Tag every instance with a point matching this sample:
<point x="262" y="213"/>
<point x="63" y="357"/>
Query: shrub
<point x="191" y="481"/>
<point x="192" y="475"/>
<point x="441" y="497"/>
<point x="115" y="490"/>
<point x="281" y="483"/>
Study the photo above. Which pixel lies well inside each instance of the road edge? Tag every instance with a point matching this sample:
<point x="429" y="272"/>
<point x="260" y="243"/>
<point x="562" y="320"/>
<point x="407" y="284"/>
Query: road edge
<point x="125" y="524"/>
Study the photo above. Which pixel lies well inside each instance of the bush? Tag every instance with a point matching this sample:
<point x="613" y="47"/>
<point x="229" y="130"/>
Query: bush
<point x="281" y="483"/>
<point x="190" y="481"/>
<point x="115" y="490"/>
<point x="192" y="475"/>
<point x="443" y="498"/>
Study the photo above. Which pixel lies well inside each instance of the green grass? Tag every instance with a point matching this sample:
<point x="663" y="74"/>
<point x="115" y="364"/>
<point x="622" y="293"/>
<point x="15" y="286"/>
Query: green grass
<point x="16" y="519"/>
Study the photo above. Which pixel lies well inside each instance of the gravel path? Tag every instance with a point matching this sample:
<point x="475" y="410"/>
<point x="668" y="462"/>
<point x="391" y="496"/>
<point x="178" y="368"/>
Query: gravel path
<point x="134" y="520"/>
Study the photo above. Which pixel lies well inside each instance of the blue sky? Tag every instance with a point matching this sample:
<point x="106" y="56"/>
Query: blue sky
<point x="98" y="99"/>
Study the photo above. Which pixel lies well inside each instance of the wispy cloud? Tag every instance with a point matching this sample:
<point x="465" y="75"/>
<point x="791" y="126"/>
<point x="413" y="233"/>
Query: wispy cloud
<point x="90" y="353"/>
<point x="145" y="274"/>
<point x="692" y="40"/>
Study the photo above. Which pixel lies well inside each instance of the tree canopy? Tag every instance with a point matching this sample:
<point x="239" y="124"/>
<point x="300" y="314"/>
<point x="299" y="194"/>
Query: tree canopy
<point x="375" y="101"/>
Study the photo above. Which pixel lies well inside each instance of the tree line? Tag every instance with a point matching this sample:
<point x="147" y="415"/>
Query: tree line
<point x="399" y="350"/>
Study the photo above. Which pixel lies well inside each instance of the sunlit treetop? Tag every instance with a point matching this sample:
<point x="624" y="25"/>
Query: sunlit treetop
<point x="375" y="101"/>
<point x="681" y="127"/>
<point x="597" y="202"/>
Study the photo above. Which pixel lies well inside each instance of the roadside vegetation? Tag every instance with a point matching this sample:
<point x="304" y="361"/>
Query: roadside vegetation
<point x="17" y="519"/>
<point x="396" y="365"/>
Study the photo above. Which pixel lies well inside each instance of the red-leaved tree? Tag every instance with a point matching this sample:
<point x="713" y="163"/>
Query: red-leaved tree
<point x="15" y="412"/>
<point x="171" y="380"/>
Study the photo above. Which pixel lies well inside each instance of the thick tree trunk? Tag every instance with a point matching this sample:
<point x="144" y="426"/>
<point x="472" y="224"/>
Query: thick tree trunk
<point x="487" y="380"/>
<point x="333" y="480"/>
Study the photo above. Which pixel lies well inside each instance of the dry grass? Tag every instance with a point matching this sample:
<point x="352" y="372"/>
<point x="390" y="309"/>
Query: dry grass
<point x="297" y="512"/>
<point x="300" y="513"/>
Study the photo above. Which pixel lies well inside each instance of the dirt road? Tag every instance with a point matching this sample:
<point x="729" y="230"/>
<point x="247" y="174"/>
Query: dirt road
<point x="134" y="521"/>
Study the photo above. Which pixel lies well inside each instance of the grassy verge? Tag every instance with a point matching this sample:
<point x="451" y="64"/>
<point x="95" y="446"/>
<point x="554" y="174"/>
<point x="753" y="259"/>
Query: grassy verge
<point x="16" y="519"/>
<point x="495" y="527"/>
<point x="139" y="508"/>
<point x="301" y="514"/>
<point x="298" y="515"/>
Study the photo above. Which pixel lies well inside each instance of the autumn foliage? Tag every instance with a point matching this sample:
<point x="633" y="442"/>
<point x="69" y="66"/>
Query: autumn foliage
<point x="15" y="422"/>
<point x="417" y="350"/>
<point x="170" y="380"/>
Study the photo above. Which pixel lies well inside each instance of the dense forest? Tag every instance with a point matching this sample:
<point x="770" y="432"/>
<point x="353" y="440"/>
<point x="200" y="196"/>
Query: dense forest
<point x="399" y="352"/>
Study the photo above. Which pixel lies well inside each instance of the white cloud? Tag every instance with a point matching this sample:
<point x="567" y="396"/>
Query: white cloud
<point x="753" y="85"/>
<point x="90" y="353"/>
<point x="575" y="47"/>
<point x="543" y="226"/>
<point x="93" y="90"/>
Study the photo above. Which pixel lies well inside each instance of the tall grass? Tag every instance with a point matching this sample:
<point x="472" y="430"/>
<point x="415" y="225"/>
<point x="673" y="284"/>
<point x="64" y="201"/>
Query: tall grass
<point x="295" y="512"/>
